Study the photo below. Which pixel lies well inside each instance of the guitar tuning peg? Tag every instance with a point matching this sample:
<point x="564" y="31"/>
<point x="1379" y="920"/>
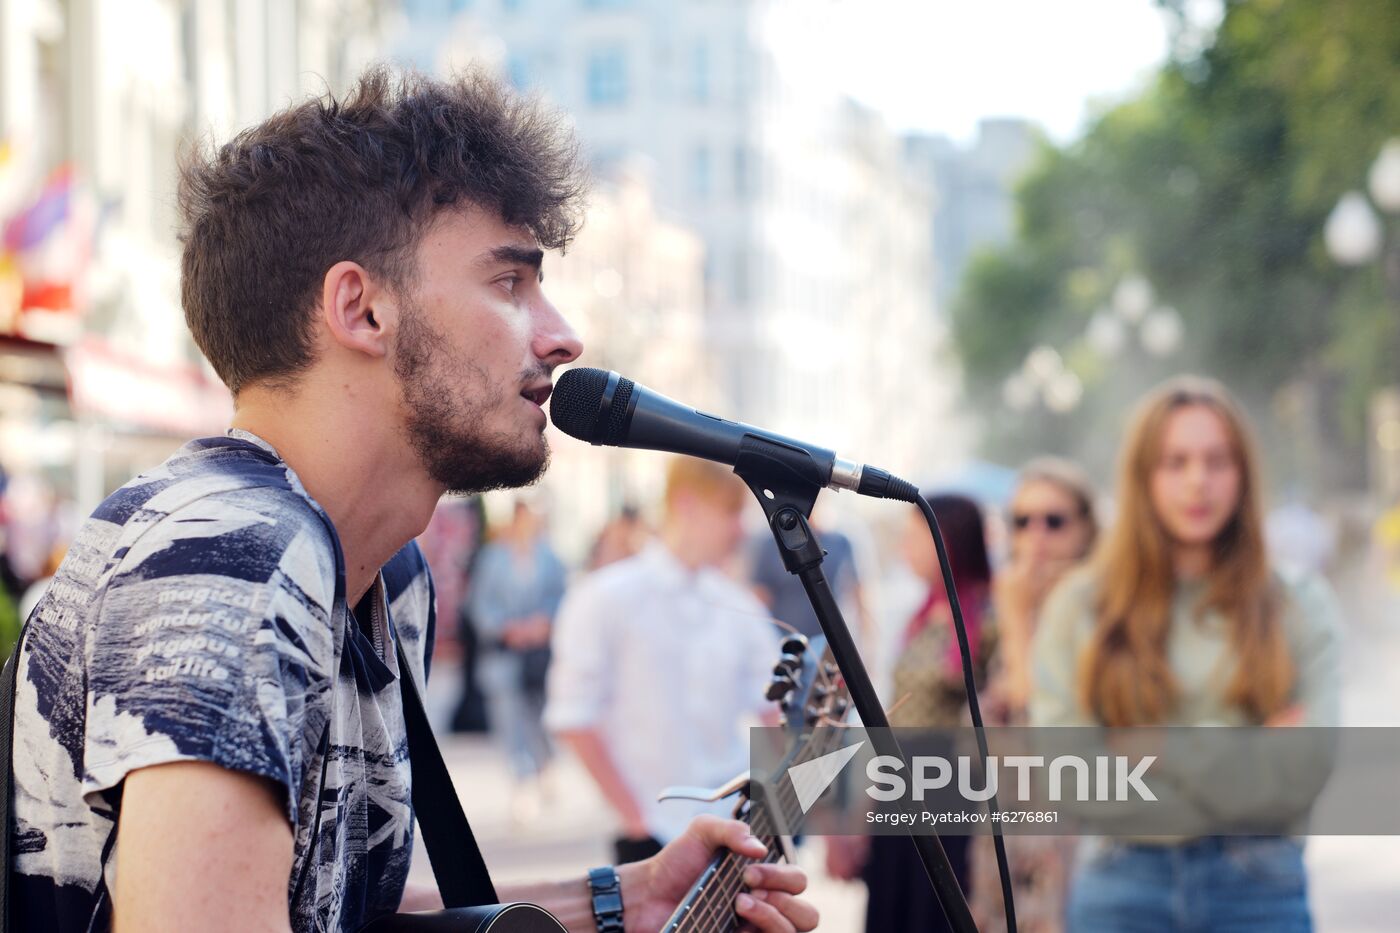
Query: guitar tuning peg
<point x="790" y="663"/>
<point x="795" y="644"/>
<point x="780" y="686"/>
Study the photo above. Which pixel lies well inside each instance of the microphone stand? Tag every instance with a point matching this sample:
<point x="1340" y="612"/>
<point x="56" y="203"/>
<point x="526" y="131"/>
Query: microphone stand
<point x="786" y="483"/>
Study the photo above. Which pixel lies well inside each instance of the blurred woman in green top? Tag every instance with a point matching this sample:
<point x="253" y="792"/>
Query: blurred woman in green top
<point x="1180" y="620"/>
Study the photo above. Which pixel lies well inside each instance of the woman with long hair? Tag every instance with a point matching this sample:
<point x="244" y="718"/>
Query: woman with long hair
<point x="929" y="694"/>
<point x="1180" y="620"/>
<point x="1053" y="527"/>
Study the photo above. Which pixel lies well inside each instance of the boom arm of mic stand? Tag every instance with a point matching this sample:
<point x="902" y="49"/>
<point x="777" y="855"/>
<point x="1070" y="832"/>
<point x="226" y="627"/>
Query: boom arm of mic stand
<point x="787" y="498"/>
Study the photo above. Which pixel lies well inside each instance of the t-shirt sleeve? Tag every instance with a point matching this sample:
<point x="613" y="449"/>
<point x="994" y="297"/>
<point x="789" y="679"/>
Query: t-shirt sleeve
<point x="1313" y="628"/>
<point x="211" y="643"/>
<point x="1066" y="620"/>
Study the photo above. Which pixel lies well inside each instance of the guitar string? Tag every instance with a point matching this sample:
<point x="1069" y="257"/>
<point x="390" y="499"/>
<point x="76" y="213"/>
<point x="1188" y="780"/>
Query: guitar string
<point x="718" y="908"/>
<point x="717" y="911"/>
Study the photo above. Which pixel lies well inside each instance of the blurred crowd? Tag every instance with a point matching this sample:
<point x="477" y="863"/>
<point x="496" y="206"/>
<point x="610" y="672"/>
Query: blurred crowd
<point x="1174" y="595"/>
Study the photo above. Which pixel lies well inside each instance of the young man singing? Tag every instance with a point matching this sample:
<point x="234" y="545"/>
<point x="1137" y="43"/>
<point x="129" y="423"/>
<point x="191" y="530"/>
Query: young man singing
<point x="212" y="679"/>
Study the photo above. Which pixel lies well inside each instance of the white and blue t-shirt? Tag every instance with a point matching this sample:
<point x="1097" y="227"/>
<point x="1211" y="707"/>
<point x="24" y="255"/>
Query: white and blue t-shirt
<point x="201" y="615"/>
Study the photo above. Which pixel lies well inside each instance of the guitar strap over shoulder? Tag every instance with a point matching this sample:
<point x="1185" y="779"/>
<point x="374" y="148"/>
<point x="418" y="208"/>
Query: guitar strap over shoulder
<point x="461" y="873"/>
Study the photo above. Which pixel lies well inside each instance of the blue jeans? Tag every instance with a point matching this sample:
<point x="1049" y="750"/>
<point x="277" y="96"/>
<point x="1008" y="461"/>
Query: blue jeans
<point x="1219" y="884"/>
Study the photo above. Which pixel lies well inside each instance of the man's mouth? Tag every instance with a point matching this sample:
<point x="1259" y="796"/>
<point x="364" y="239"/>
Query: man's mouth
<point x="538" y="394"/>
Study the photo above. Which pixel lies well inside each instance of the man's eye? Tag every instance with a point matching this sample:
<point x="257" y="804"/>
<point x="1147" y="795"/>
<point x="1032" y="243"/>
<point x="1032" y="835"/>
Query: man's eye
<point x="509" y="282"/>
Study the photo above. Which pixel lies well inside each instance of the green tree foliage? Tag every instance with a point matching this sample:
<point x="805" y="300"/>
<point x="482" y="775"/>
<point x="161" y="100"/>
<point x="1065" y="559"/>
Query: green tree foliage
<point x="1214" y="184"/>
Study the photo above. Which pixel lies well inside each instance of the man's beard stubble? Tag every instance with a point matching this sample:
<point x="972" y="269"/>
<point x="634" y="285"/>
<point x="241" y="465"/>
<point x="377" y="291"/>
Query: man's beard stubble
<point x="448" y="400"/>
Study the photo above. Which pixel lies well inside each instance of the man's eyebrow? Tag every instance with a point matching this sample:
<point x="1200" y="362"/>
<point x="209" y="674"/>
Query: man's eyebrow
<point x="514" y="256"/>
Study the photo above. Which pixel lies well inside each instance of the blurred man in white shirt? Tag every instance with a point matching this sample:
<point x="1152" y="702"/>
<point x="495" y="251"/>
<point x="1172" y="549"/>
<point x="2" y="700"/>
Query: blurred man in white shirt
<point x="661" y="659"/>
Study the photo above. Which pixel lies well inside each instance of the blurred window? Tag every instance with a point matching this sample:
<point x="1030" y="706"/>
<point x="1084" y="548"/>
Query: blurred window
<point x="739" y="286"/>
<point x="743" y="185"/>
<point x="606" y="4"/>
<point x="700" y="171"/>
<point x="607" y="76"/>
<point x="512" y="6"/>
<point x="700" y="73"/>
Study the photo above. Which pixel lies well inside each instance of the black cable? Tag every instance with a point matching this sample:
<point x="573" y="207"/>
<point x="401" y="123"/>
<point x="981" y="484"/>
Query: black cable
<point x="971" y="686"/>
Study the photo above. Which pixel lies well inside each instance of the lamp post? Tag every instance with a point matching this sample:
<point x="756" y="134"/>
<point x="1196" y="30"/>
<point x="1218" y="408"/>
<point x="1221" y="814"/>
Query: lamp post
<point x="1044" y="379"/>
<point x="1355" y="235"/>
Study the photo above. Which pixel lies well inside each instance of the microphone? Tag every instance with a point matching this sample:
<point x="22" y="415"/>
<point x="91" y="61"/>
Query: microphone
<point x="604" y="408"/>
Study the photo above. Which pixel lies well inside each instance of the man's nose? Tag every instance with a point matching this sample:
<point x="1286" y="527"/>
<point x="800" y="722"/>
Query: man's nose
<point x="555" y="341"/>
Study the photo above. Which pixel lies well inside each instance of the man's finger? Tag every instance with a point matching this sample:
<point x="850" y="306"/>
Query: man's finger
<point x="763" y="916"/>
<point x="730" y="834"/>
<point x="787" y="878"/>
<point x="801" y="914"/>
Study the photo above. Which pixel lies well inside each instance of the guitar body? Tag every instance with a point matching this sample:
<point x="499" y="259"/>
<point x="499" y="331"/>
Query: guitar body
<point x="493" y="918"/>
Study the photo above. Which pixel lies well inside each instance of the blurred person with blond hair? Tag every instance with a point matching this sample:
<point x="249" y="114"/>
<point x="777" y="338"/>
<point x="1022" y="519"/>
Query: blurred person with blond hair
<point x="660" y="658"/>
<point x="1180" y="620"/>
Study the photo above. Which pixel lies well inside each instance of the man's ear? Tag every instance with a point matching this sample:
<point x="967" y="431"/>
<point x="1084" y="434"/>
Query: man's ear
<point x="355" y="308"/>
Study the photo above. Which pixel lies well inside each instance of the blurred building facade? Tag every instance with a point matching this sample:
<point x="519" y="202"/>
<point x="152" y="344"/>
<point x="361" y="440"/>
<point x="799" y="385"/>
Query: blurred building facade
<point x="96" y="98"/>
<point x="973" y="191"/>
<point x="633" y="282"/>
<point x="785" y="186"/>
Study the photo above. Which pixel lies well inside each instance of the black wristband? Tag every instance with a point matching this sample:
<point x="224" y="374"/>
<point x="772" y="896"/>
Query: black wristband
<point x="606" y="888"/>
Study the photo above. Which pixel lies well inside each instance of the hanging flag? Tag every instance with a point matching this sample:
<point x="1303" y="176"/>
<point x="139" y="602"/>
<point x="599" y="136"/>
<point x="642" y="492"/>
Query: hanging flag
<point x="29" y="228"/>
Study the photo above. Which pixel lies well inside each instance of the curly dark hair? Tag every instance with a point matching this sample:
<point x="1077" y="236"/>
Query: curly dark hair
<point x="360" y="178"/>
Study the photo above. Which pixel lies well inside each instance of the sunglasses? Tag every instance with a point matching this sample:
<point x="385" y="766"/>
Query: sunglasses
<point x="1053" y="521"/>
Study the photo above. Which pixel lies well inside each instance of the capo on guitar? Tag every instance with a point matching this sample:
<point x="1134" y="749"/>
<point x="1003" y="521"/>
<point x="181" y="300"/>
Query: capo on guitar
<point x="738" y="784"/>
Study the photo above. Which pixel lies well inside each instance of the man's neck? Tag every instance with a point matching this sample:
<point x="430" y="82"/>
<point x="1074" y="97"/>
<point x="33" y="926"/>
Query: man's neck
<point x="682" y="548"/>
<point x="366" y="476"/>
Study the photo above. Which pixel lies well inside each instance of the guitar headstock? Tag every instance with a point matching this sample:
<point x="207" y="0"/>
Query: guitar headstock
<point x="809" y="688"/>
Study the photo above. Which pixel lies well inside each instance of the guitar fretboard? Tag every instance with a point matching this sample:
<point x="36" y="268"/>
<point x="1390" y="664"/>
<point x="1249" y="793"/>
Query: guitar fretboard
<point x="709" y="908"/>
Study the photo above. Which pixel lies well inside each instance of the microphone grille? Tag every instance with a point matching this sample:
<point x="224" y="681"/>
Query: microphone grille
<point x="617" y="413"/>
<point x="576" y="400"/>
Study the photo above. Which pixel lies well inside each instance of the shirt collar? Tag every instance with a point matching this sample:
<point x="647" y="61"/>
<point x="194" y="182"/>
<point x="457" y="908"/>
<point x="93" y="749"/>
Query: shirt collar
<point x="667" y="569"/>
<point x="252" y="438"/>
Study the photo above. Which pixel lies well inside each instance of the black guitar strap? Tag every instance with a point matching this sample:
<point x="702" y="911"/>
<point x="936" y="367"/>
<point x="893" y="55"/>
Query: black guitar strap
<point x="461" y="872"/>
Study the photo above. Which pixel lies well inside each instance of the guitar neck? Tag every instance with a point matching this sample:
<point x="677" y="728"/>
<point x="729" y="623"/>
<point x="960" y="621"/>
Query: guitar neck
<point x="822" y="699"/>
<point x="709" y="906"/>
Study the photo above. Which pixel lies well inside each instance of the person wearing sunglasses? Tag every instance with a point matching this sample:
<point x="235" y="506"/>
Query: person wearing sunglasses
<point x="1053" y="527"/>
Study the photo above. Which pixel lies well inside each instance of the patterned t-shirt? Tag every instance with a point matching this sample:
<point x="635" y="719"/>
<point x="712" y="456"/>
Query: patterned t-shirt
<point x="201" y="615"/>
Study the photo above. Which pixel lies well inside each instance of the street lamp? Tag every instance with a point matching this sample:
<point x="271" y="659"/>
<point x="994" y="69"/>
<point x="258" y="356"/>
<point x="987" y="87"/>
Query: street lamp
<point x="1384" y="177"/>
<point x="1353" y="231"/>
<point x="1355" y="236"/>
<point x="1042" y="378"/>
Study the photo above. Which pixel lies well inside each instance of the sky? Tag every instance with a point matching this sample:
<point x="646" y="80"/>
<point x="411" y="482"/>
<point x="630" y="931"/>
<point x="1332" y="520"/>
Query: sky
<point x="940" y="65"/>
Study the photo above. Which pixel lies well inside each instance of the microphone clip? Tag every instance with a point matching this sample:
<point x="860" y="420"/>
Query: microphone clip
<point x="786" y="482"/>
